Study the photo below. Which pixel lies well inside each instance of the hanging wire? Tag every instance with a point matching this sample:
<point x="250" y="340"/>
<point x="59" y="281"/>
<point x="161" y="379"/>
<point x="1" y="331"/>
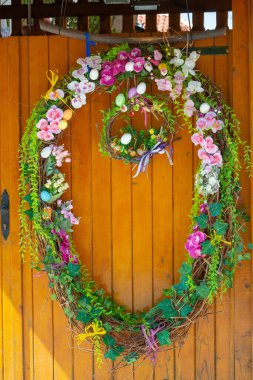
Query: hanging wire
<point x="189" y="22"/>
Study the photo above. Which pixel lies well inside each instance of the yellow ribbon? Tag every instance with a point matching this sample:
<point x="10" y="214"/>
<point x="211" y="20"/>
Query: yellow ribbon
<point x="218" y="237"/>
<point x="52" y="76"/>
<point x="94" y="329"/>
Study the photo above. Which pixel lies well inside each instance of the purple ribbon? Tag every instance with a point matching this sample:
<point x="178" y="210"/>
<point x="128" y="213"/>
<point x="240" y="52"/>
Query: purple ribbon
<point x="160" y="148"/>
<point x="151" y="341"/>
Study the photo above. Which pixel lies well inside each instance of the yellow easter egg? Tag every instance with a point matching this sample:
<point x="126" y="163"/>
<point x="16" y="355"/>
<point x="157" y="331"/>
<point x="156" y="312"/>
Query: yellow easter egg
<point x="63" y="124"/>
<point x="67" y="114"/>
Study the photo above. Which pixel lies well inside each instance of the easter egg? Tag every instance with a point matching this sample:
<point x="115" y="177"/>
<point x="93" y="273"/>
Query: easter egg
<point x="45" y="196"/>
<point x="132" y="92"/>
<point x="67" y="114"/>
<point x="129" y="66"/>
<point x="141" y="88"/>
<point x="126" y="138"/>
<point x="63" y="124"/>
<point x="94" y="74"/>
<point x="123" y="108"/>
<point x="45" y="153"/>
<point x="148" y="66"/>
<point x="47" y="213"/>
<point x="120" y="100"/>
<point x="204" y="108"/>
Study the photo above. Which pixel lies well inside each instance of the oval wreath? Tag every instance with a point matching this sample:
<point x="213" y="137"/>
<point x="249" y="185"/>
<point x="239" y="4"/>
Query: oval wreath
<point x="214" y="245"/>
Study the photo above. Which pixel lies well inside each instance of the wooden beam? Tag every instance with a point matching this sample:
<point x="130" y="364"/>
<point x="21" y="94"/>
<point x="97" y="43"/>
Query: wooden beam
<point x="93" y="9"/>
<point x="113" y="39"/>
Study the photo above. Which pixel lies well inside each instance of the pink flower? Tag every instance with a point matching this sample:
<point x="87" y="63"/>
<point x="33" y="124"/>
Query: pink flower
<point x="134" y="53"/>
<point x="193" y="244"/>
<point x="119" y="67"/>
<point x="85" y="87"/>
<point x="179" y="77"/>
<point x="207" y="169"/>
<point x="58" y="93"/>
<point x="54" y="113"/>
<point x="164" y="84"/>
<point x="217" y="126"/>
<point x="45" y="135"/>
<point x="42" y="125"/>
<point x="203" y="155"/>
<point x="138" y="64"/>
<point x="216" y="159"/>
<point x="155" y="62"/>
<point x="82" y="62"/>
<point x="201" y="123"/>
<point x="122" y="55"/>
<point x="178" y="89"/>
<point x="197" y="138"/>
<point x="203" y="208"/>
<point x="107" y="78"/>
<point x="157" y="55"/>
<point x="210" y="147"/>
<point x="54" y="127"/>
<point x="94" y="61"/>
<point x="195" y="253"/>
<point x="210" y="118"/>
<point x="79" y="73"/>
<point x="189" y="108"/>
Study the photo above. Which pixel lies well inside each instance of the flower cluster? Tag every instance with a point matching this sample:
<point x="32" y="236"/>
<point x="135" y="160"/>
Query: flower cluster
<point x="56" y="185"/>
<point x="60" y="154"/>
<point x="64" y="246"/>
<point x="65" y="210"/>
<point x="49" y="126"/>
<point x="193" y="244"/>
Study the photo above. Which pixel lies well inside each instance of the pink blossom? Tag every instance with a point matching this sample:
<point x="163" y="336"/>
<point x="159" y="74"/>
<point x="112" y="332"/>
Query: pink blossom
<point x="107" y="65"/>
<point x="107" y="78"/>
<point x="197" y="138"/>
<point x="203" y="155"/>
<point x="179" y="77"/>
<point x="189" y="108"/>
<point x="203" y="208"/>
<point x="207" y="169"/>
<point x="83" y="63"/>
<point x="193" y="244"/>
<point x="216" y="159"/>
<point x="138" y="64"/>
<point x="178" y="89"/>
<point x="42" y="125"/>
<point x="195" y="253"/>
<point x="54" y="113"/>
<point x="135" y="53"/>
<point x="85" y="87"/>
<point x="157" y="55"/>
<point x="164" y="84"/>
<point x="94" y="61"/>
<point x="210" y="118"/>
<point x="79" y="73"/>
<point x="201" y="123"/>
<point x="217" y="126"/>
<point x="54" y="127"/>
<point x="210" y="147"/>
<point x="58" y="93"/>
<point x="122" y="55"/>
<point x="45" y="135"/>
<point x="155" y="62"/>
<point x="119" y="67"/>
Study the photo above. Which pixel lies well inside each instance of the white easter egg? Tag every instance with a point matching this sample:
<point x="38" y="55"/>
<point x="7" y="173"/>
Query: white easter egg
<point x="141" y="88"/>
<point x="45" y="153"/>
<point x="94" y="74"/>
<point x="129" y="66"/>
<point x="126" y="138"/>
<point x="204" y="108"/>
<point x="148" y="66"/>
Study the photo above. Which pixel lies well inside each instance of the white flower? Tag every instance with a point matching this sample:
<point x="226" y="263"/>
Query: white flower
<point x="177" y="60"/>
<point x="94" y="62"/>
<point x="129" y="66"/>
<point x="79" y="73"/>
<point x="212" y="181"/>
<point x="194" y="56"/>
<point x="78" y="101"/>
<point x="86" y="87"/>
<point x="194" y="86"/>
<point x="73" y="86"/>
<point x="188" y="67"/>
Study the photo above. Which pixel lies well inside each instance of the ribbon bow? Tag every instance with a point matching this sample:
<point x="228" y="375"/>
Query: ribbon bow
<point x="151" y="341"/>
<point x="94" y="329"/>
<point x="159" y="147"/>
<point x="53" y="78"/>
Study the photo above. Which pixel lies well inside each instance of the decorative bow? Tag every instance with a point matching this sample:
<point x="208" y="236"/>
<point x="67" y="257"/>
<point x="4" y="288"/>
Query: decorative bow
<point x="52" y="76"/>
<point x="93" y="329"/>
<point x="149" y="336"/>
<point x="159" y="147"/>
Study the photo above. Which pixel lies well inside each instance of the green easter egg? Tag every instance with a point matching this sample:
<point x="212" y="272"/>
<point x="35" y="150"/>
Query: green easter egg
<point x="120" y="100"/>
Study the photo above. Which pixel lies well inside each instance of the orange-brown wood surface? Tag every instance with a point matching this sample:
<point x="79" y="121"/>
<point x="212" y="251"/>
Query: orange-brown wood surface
<point x="132" y="231"/>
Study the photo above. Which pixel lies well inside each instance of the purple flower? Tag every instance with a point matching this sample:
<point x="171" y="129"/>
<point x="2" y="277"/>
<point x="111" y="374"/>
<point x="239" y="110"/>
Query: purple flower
<point x="107" y="78"/>
<point x="65" y="246"/>
<point x="107" y="65"/>
<point x="122" y="55"/>
<point x="119" y="67"/>
<point x="203" y="208"/>
<point x="138" y="64"/>
<point x="193" y="244"/>
<point x="134" y="53"/>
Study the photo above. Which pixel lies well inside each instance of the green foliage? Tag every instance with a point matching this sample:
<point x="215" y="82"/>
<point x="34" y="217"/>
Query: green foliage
<point x="220" y="227"/>
<point x="215" y="208"/>
<point x="202" y="220"/>
<point x="163" y="338"/>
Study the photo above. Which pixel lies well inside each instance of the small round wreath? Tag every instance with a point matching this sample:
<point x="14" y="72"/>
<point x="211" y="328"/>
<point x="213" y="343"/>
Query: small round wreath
<point x="214" y="245"/>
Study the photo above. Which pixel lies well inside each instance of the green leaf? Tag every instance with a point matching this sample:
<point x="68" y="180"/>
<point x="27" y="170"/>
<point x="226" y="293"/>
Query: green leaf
<point x="167" y="308"/>
<point x="202" y="291"/>
<point x="185" y="310"/>
<point x="83" y="316"/>
<point x="83" y="301"/>
<point x="180" y="288"/>
<point x="113" y="353"/>
<point x="207" y="248"/>
<point x="250" y="246"/>
<point x="215" y="208"/>
<point x="220" y="227"/>
<point x="73" y="269"/>
<point x="109" y="340"/>
<point x="53" y="297"/>
<point x="28" y="199"/>
<point x="163" y="338"/>
<point x="202" y="220"/>
<point x="246" y="256"/>
<point x="29" y="213"/>
<point x="131" y="358"/>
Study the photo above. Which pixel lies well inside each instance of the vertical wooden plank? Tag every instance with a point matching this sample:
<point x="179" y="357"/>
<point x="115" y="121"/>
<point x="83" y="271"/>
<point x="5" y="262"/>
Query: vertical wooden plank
<point x="11" y="261"/>
<point x="101" y="207"/>
<point x="61" y="333"/>
<point x="82" y="198"/>
<point x="205" y="329"/>
<point x="224" y="367"/>
<point x="174" y="22"/>
<point x="151" y="21"/>
<point x="27" y="278"/>
<point x="42" y="305"/>
<point x="198" y="21"/>
<point x="128" y="24"/>
<point x="243" y="277"/>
